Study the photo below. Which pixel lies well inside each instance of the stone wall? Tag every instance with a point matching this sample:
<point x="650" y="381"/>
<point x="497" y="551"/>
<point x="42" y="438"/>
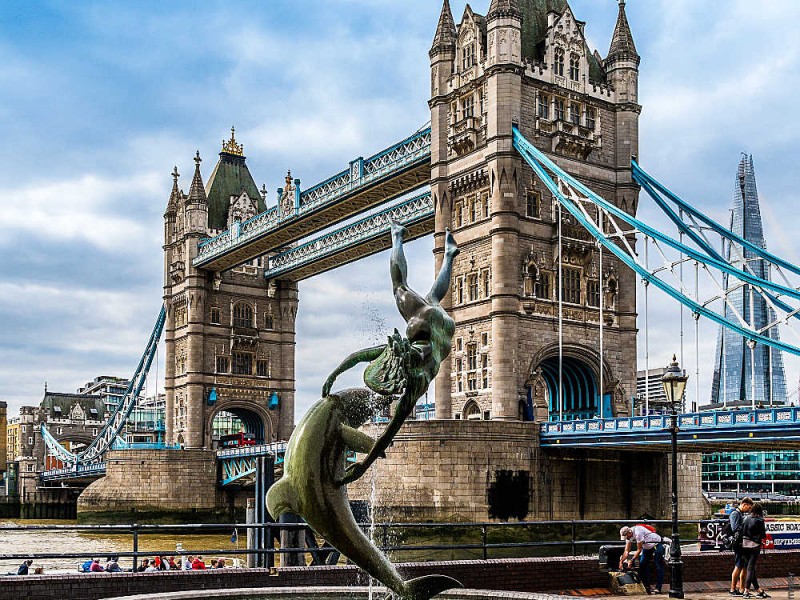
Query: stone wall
<point x="488" y="470"/>
<point x="153" y="483"/>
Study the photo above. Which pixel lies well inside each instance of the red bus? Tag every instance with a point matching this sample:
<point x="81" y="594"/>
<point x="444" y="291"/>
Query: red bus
<point x="234" y="440"/>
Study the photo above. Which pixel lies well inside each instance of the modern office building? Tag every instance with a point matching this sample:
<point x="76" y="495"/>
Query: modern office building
<point x="110" y="389"/>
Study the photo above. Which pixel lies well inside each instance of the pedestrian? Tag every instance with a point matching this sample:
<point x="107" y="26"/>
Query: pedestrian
<point x="650" y="548"/>
<point x="142" y="566"/>
<point x="171" y="563"/>
<point x="213" y="563"/>
<point x="187" y="563"/>
<point x="23" y="568"/>
<point x="220" y="563"/>
<point x="112" y="566"/>
<point x="753" y="533"/>
<point x="38" y="571"/>
<point x="96" y="567"/>
<point x="151" y="566"/>
<point x="736" y="520"/>
<point x="198" y="564"/>
<point x="163" y="565"/>
<point x="86" y="566"/>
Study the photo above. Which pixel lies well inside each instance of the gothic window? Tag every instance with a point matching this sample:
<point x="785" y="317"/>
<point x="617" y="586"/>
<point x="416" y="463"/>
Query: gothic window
<point x="242" y="363"/>
<point x="472" y="285"/>
<point x="453" y="112"/>
<point x="472" y="357"/>
<point x="472" y="412"/>
<point x="486" y="283"/>
<point x="474" y="209"/>
<point x="458" y="365"/>
<point x="459" y="384"/>
<point x="574" y="67"/>
<point x="558" y="107"/>
<point x="467" y="56"/>
<point x="459" y="218"/>
<point x="243" y="315"/>
<point x="215" y="316"/>
<point x="481" y="100"/>
<point x="222" y="364"/>
<point x="468" y="106"/>
<point x="533" y="204"/>
<point x="460" y="290"/>
<point x="485" y="371"/>
<point x="459" y="347"/>
<point x="593" y="293"/>
<point x="558" y="66"/>
<point x="571" y="286"/>
<point x="541" y="289"/>
<point x="575" y="113"/>
<point x="262" y="368"/>
<point x="591" y="118"/>
<point x="484" y="339"/>
<point x="544" y="106"/>
<point x="472" y="381"/>
<point x="269" y="321"/>
<point x="486" y="208"/>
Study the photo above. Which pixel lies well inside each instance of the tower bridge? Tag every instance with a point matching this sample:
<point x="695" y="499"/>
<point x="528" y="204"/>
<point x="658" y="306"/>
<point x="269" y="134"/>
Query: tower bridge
<point x="528" y="161"/>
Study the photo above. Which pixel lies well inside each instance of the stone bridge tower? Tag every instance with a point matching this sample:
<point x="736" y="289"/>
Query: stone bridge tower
<point x="527" y="63"/>
<point x="230" y="335"/>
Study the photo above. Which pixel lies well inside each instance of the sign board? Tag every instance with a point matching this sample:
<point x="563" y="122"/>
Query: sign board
<point x="781" y="535"/>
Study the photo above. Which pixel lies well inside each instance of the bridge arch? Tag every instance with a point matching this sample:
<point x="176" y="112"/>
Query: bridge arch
<point x="580" y="377"/>
<point x="254" y="419"/>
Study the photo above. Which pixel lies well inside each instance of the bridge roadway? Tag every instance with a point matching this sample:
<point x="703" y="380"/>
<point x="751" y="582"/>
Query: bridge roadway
<point x="365" y="185"/>
<point x="739" y="430"/>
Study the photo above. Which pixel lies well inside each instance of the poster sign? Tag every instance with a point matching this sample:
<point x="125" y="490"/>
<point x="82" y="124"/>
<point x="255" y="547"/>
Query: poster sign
<point x="781" y="535"/>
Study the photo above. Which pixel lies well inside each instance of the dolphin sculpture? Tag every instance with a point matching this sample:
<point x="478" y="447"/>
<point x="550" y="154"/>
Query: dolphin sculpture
<point x="312" y="486"/>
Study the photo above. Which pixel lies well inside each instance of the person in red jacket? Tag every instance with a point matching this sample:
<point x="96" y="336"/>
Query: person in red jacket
<point x="96" y="568"/>
<point x="198" y="564"/>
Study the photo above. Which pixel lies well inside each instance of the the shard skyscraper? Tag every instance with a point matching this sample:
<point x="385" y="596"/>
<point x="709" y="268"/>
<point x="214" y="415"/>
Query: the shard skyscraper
<point x="742" y="373"/>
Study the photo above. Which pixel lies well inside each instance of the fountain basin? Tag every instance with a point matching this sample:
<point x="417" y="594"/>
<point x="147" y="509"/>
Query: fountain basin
<point x="330" y="593"/>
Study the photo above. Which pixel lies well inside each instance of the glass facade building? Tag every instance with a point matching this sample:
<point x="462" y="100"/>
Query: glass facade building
<point x="754" y="473"/>
<point x="741" y="372"/>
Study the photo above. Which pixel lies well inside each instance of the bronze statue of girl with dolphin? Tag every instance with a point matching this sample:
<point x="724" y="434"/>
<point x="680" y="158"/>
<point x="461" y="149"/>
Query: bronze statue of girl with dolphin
<point x="314" y="481"/>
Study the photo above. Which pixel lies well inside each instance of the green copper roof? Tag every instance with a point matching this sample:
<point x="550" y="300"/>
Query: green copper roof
<point x="65" y="402"/>
<point x="230" y="177"/>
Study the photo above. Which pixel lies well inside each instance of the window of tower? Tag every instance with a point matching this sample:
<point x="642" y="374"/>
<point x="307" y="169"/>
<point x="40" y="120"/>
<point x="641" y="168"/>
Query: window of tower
<point x="485" y="370"/>
<point x="591" y="118"/>
<point x="575" y="113"/>
<point x="544" y="106"/>
<point x="574" y="67"/>
<point x="558" y="107"/>
<point x="269" y="321"/>
<point x="593" y="293"/>
<point x="558" y="65"/>
<point x="262" y="368"/>
<point x="222" y="364"/>
<point x="472" y="285"/>
<point x="486" y="282"/>
<point x="474" y="209"/>
<point x="541" y="288"/>
<point x="216" y="319"/>
<point x="459" y="217"/>
<point x="460" y="290"/>
<point x="468" y="106"/>
<point x="243" y="315"/>
<point x="486" y="207"/>
<point x="571" y="286"/>
<point x="484" y="340"/>
<point x="242" y="363"/>
<point x="533" y="200"/>
<point x="472" y="412"/>
<point x="459" y="347"/>
<point x="467" y="56"/>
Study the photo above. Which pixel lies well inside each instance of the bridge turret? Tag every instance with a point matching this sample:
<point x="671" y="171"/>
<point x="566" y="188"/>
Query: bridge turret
<point x="197" y="205"/>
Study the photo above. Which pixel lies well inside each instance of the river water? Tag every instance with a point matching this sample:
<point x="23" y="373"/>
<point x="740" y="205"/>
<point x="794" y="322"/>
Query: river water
<point x="90" y="542"/>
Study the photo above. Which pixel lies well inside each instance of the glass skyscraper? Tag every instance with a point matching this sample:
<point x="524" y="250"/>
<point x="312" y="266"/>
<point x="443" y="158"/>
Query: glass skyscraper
<point x="742" y="373"/>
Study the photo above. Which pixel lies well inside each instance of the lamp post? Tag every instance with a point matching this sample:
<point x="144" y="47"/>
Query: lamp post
<point x="674" y="381"/>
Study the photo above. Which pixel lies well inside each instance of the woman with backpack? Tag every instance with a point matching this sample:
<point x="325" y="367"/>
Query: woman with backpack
<point x="753" y="533"/>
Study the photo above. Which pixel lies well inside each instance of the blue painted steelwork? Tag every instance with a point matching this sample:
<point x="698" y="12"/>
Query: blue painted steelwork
<point x="414" y="150"/>
<point x="408" y="212"/>
<point x="583" y="205"/>
<point x="240" y="463"/>
<point x="110" y="432"/>
<point x="776" y="427"/>
<point x="97" y="469"/>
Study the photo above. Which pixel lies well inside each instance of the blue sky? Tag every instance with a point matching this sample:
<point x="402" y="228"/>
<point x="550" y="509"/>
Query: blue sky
<point x="101" y="99"/>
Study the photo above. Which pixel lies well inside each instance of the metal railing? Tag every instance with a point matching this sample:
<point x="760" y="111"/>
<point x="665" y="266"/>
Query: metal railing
<point x="410" y="541"/>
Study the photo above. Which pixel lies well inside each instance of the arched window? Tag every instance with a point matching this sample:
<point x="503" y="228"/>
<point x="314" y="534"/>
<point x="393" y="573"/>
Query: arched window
<point x="242" y="315"/>
<point x="472" y="411"/>
<point x="558" y="65"/>
<point x="574" y="67"/>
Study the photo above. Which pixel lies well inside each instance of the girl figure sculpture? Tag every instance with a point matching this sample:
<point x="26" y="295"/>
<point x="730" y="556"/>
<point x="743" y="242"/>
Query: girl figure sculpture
<point x="409" y="364"/>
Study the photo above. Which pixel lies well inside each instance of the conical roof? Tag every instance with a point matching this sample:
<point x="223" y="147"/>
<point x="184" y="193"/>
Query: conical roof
<point x="503" y="8"/>
<point x="197" y="192"/>
<point x="175" y="194"/>
<point x="622" y="45"/>
<point x="445" y="37"/>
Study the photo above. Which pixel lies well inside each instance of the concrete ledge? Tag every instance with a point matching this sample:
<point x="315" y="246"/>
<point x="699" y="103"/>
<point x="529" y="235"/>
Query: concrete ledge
<point x="525" y="575"/>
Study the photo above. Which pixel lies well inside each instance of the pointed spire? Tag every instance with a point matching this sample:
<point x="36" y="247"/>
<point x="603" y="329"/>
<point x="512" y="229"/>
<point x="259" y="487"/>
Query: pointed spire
<point x="503" y="8"/>
<point x="197" y="191"/>
<point x="445" y="37"/>
<point x="175" y="194"/>
<point x="622" y="45"/>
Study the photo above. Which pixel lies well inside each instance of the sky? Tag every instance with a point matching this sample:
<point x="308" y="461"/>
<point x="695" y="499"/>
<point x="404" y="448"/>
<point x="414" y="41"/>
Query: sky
<point x="101" y="99"/>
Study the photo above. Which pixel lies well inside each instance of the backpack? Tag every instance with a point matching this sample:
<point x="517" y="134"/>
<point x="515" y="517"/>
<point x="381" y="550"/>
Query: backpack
<point x="649" y="528"/>
<point x="729" y="538"/>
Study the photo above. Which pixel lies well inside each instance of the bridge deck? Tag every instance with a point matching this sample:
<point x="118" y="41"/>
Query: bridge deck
<point x="743" y="430"/>
<point x="367" y="184"/>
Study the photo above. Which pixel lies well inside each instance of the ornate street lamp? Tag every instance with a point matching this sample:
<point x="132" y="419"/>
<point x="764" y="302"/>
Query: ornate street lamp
<point x="674" y="381"/>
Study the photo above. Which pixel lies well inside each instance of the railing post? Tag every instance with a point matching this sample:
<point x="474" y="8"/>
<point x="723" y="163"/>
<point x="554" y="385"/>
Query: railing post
<point x="574" y="535"/>
<point x="135" y="528"/>
<point x="384" y="537"/>
<point x="484" y="541"/>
